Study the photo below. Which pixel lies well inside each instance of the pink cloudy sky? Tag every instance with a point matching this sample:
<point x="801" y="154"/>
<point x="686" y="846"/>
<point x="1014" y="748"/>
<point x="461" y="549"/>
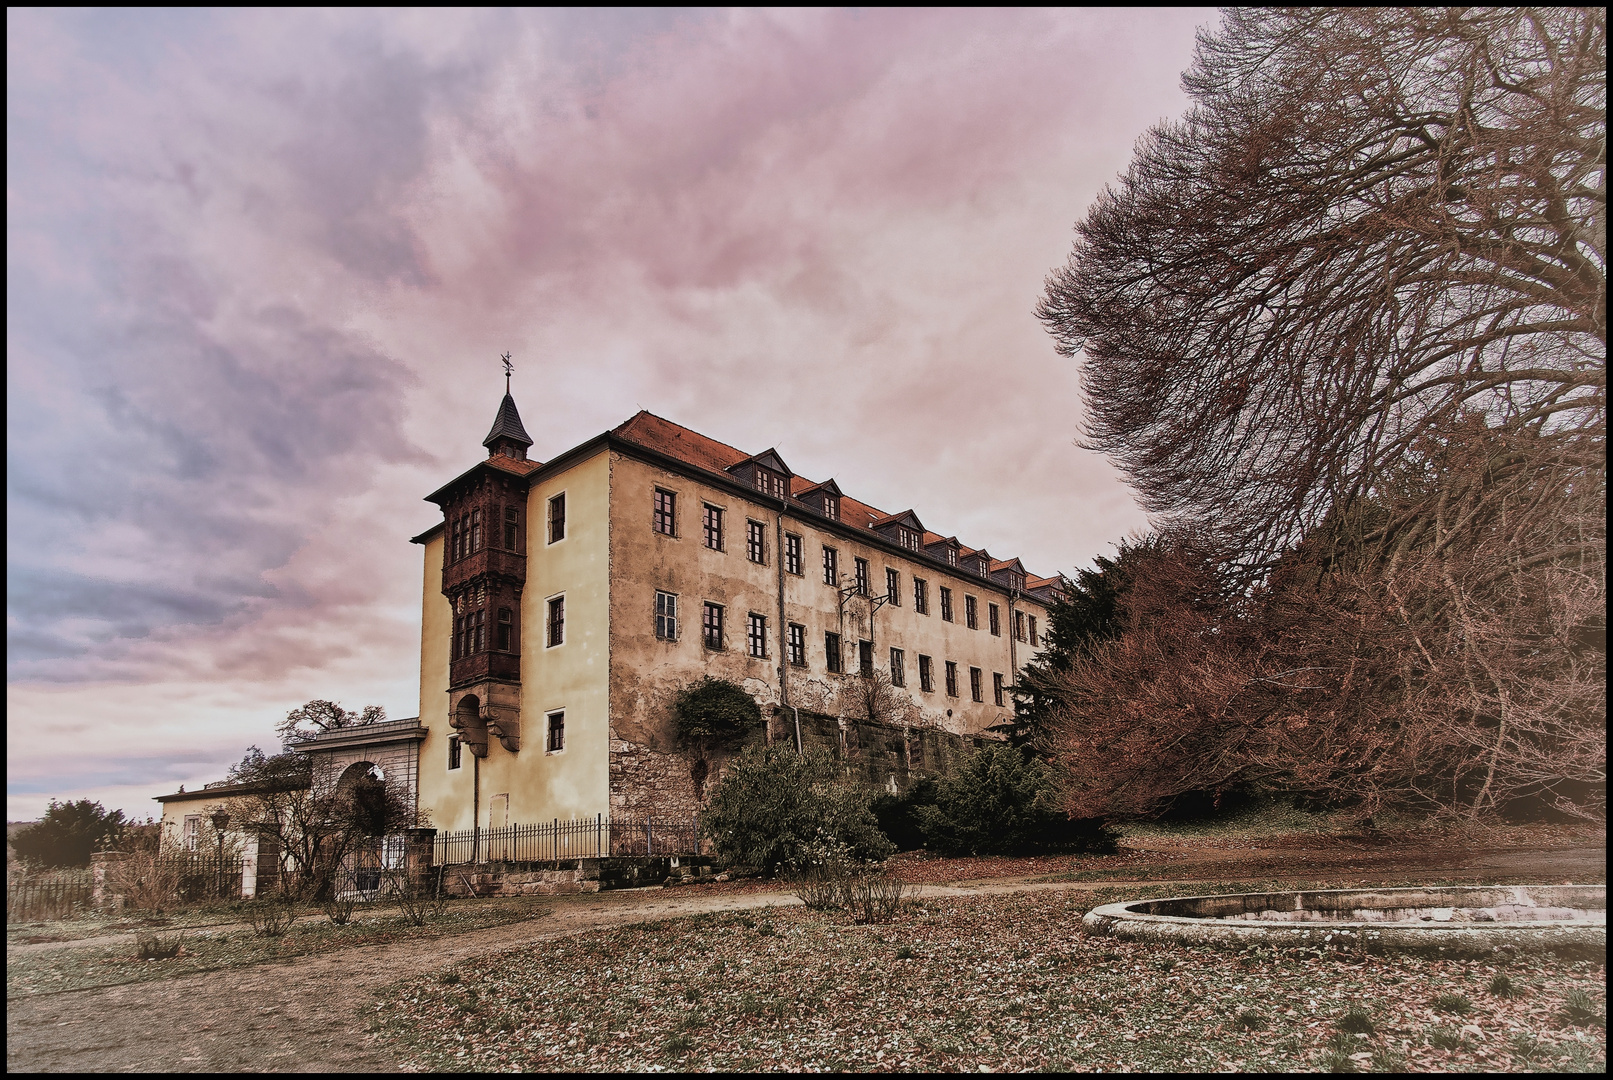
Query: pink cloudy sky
<point x="260" y="266"/>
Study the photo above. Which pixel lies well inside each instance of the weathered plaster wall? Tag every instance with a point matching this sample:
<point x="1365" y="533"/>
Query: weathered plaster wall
<point x="648" y="769"/>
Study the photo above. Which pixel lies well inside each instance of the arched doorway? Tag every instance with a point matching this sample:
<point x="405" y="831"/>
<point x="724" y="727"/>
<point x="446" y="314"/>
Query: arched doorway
<point x="370" y="810"/>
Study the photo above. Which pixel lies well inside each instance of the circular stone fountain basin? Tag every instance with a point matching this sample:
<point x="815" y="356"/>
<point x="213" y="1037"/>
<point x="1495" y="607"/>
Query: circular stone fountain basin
<point x="1463" y="920"/>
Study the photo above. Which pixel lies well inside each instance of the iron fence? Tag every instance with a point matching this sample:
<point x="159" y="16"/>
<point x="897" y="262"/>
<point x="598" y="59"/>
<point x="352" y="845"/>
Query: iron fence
<point x="576" y="838"/>
<point x="37" y="900"/>
<point x="200" y="877"/>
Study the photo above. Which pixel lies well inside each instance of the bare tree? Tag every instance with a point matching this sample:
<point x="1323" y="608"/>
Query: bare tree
<point x="875" y="698"/>
<point x="319" y="716"/>
<point x="319" y="814"/>
<point x="1456" y="668"/>
<point x="1372" y="222"/>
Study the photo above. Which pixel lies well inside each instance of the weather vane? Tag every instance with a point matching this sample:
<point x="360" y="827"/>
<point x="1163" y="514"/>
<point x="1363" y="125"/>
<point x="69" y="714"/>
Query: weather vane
<point x="508" y="367"/>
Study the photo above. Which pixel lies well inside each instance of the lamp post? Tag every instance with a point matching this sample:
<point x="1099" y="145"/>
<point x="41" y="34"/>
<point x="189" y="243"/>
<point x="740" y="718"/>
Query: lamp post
<point x="221" y="819"/>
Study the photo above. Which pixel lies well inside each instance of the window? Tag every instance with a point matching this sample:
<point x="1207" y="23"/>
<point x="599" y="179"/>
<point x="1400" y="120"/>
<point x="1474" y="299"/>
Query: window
<point x="907" y="538"/>
<point x="898" y="672"/>
<point x="976" y="685"/>
<point x="666" y="616"/>
<point x="952" y="679"/>
<point x="711" y="521"/>
<point x="832" y="655"/>
<point x="476" y="530"/>
<point x="831" y="507"/>
<point x="756" y="635"/>
<point x="797" y="641"/>
<point x="926" y="674"/>
<point x="557" y="622"/>
<point x="915" y="751"/>
<point x="193" y="828"/>
<point x="862" y="575"/>
<point x="831" y="566"/>
<point x="971" y="613"/>
<point x="995" y="620"/>
<point x="506" y="630"/>
<point x="756" y="541"/>
<point x="921" y="596"/>
<point x="1019" y="626"/>
<point x="557" y="732"/>
<point x="946" y="604"/>
<point x="453" y="751"/>
<point x="665" y="518"/>
<point x="792" y="554"/>
<point x="475" y="629"/>
<point x="453" y="542"/>
<point x="557" y="517"/>
<point x="711" y="625"/>
<point x="512" y="528"/>
<point x="893" y="587"/>
<point x="997" y="687"/>
<point x="1034" y="640"/>
<point x="865" y="659"/>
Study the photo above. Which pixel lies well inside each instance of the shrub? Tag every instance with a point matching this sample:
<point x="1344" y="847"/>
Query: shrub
<point x="271" y="916"/>
<point x="1336" y="1054"/>
<point x="1357" y="1021"/>
<point x="1501" y="986"/>
<point x="1453" y="1003"/>
<point x="339" y="911"/>
<point x="1580" y="1008"/>
<point x="417" y="900"/>
<point x="149" y="880"/>
<point x="1000" y="802"/>
<point x="875" y="898"/>
<point x="68" y="834"/>
<point x="715" y="711"/>
<point x="772" y="803"/>
<point x="156" y="946"/>
<point x="1249" y="1020"/>
<point x="898" y="814"/>
<point x="1525" y="1047"/>
<point x="1444" y="1038"/>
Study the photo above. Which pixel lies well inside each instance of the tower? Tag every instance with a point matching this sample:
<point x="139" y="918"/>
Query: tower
<point x="484" y="573"/>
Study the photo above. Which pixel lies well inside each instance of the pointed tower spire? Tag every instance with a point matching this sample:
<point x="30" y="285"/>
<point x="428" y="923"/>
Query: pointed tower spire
<point x="508" y="436"/>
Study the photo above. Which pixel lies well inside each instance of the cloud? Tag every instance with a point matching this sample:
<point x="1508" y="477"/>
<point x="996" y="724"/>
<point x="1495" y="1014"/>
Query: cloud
<point x="261" y="263"/>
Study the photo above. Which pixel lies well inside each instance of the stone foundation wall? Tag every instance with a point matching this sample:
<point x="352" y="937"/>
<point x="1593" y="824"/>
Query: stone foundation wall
<point x="647" y="780"/>
<point x="573" y="876"/>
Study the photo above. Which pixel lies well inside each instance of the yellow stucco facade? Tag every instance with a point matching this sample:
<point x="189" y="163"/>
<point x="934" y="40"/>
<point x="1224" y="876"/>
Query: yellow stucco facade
<point x="567" y="679"/>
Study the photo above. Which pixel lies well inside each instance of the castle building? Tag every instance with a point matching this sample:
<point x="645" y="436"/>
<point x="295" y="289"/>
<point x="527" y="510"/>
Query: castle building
<point x="565" y="603"/>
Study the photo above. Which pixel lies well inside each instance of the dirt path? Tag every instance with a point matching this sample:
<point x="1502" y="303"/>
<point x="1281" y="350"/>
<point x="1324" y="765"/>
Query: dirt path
<point x="308" y="1014"/>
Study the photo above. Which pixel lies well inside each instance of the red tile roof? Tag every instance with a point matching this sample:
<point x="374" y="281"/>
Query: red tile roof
<point x="511" y="465"/>
<point x="662" y="435"/>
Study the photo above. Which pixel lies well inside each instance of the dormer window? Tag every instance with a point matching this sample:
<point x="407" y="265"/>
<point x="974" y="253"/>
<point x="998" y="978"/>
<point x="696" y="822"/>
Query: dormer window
<point x="831" y="507"/>
<point x="952" y="556"/>
<point x="907" y="538"/>
<point x="768" y="482"/>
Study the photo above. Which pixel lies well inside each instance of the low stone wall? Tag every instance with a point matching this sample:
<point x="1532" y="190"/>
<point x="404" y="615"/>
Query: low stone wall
<point x="570" y="876"/>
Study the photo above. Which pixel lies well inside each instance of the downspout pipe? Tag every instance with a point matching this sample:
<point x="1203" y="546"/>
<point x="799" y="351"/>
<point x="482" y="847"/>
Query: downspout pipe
<point x="783" y="627"/>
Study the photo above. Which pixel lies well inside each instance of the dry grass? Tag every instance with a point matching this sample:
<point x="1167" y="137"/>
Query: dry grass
<point x="1000" y="982"/>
